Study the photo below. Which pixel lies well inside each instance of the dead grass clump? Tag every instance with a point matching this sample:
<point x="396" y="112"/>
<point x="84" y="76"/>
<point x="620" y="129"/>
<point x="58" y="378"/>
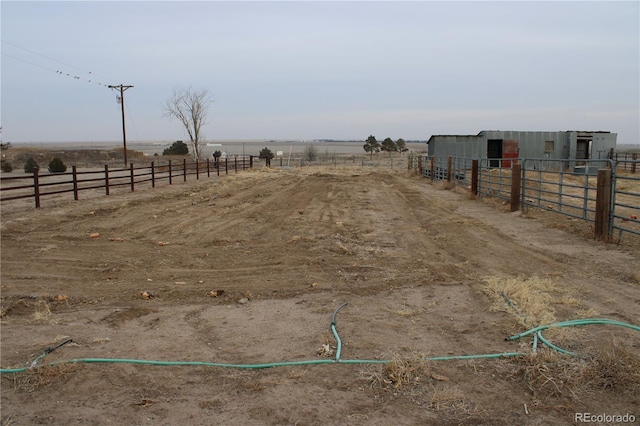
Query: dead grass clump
<point x="558" y="380"/>
<point x="448" y="397"/>
<point x="531" y="297"/>
<point x="400" y="372"/>
<point x="42" y="310"/>
<point x="38" y="378"/>
<point x="614" y="368"/>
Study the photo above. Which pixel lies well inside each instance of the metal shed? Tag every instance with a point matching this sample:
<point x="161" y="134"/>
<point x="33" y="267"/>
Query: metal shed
<point x="499" y="144"/>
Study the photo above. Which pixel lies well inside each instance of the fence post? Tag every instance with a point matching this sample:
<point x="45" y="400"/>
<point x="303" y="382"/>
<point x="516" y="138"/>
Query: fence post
<point x="420" y="171"/>
<point x="226" y="165"/>
<point x="218" y="165"/>
<point x="516" y="182"/>
<point x="36" y="187"/>
<point x="449" y="168"/>
<point x="603" y="203"/>
<point x="235" y="163"/>
<point x="106" y="178"/>
<point x="474" y="177"/>
<point x="197" y="169"/>
<point x="208" y="168"/>
<point x="433" y="168"/>
<point x="170" y="173"/>
<point x="184" y="169"/>
<point x="153" y="175"/>
<point x="634" y="157"/>
<point x="132" y="176"/>
<point x="251" y="161"/>
<point x="74" y="172"/>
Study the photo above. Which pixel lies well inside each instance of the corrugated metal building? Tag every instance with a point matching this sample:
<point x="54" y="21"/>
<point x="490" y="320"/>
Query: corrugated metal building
<point x="569" y="145"/>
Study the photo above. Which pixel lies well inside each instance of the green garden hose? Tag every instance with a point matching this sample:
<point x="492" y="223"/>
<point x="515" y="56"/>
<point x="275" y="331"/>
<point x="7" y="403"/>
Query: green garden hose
<point x="536" y="331"/>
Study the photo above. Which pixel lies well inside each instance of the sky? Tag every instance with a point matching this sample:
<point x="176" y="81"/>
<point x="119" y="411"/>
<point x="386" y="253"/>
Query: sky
<point x="308" y="70"/>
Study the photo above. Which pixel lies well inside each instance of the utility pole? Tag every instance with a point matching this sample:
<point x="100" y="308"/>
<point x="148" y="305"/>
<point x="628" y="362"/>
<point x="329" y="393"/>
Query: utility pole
<point x="122" y="88"/>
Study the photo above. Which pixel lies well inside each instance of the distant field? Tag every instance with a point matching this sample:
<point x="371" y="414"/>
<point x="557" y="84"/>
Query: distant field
<point x="235" y="147"/>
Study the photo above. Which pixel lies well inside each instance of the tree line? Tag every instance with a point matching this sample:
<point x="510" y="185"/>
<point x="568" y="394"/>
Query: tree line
<point x="372" y="145"/>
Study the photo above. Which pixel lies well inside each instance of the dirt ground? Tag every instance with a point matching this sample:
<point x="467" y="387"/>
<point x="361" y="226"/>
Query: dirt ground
<point x="250" y="269"/>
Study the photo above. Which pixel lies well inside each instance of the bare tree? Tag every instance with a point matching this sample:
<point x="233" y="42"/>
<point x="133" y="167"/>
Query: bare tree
<point x="190" y="108"/>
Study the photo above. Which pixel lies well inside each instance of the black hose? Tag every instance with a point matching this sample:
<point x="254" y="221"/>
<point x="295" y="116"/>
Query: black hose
<point x="333" y="320"/>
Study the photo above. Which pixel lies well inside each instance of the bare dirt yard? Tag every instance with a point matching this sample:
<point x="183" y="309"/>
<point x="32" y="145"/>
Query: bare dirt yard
<point x="251" y="268"/>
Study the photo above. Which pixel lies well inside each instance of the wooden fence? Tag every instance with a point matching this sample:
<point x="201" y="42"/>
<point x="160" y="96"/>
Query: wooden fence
<point x="38" y="185"/>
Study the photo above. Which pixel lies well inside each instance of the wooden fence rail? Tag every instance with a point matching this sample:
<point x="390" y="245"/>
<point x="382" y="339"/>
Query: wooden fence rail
<point x="37" y="186"/>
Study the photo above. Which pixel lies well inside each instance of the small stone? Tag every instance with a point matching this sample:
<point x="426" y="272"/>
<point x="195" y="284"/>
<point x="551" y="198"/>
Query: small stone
<point x="95" y="235"/>
<point x="243" y="301"/>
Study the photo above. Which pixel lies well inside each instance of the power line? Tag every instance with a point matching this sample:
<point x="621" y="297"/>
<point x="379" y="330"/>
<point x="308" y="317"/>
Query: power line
<point x="55" y="60"/>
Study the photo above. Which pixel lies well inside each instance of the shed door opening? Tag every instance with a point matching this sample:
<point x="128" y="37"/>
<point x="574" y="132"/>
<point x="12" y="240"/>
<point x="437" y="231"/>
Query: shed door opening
<point x="494" y="150"/>
<point x="583" y="147"/>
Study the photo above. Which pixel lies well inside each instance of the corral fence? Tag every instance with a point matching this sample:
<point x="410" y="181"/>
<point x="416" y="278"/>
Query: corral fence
<point x="603" y="192"/>
<point x="37" y="186"/>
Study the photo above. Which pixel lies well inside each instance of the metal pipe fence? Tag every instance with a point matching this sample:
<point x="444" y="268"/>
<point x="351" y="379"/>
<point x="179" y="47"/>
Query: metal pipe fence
<point x="494" y="177"/>
<point x="574" y="189"/>
<point x="549" y="185"/>
<point x="626" y="203"/>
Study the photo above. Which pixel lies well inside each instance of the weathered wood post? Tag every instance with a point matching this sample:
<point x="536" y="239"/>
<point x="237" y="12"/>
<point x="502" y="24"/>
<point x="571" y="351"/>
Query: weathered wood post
<point x="516" y="182"/>
<point x="603" y="203"/>
<point x="74" y="173"/>
<point x="132" y="176"/>
<point x="106" y="178"/>
<point x="474" y="176"/>
<point x="153" y="175"/>
<point x="197" y="169"/>
<point x="208" y="168"/>
<point x="184" y="169"/>
<point x="36" y="187"/>
<point x="449" y="168"/>
<point x="170" y="173"/>
<point x="433" y="168"/>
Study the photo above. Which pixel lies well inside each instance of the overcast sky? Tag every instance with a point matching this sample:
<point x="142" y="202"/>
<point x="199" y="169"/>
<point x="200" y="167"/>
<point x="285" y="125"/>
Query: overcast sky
<point x="311" y="70"/>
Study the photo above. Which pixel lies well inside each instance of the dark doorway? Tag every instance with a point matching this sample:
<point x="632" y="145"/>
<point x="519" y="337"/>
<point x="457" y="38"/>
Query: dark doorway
<point x="582" y="149"/>
<point x="494" y="150"/>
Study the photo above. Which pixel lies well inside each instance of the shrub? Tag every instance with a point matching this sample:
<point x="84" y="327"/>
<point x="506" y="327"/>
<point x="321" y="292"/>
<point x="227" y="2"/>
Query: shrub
<point x="6" y="166"/>
<point x="310" y="153"/>
<point x="177" y="148"/>
<point x="30" y="165"/>
<point x="57" y="166"/>
<point x="267" y="155"/>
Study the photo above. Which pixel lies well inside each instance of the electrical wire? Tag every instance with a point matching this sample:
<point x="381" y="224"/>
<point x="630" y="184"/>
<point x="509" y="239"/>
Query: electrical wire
<point x="90" y="74"/>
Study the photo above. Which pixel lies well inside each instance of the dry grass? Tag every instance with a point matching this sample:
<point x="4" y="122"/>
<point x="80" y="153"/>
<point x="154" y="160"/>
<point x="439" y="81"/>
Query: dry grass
<point x="38" y="378"/>
<point x="614" y="368"/>
<point x="531" y="296"/>
<point x="559" y="381"/>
